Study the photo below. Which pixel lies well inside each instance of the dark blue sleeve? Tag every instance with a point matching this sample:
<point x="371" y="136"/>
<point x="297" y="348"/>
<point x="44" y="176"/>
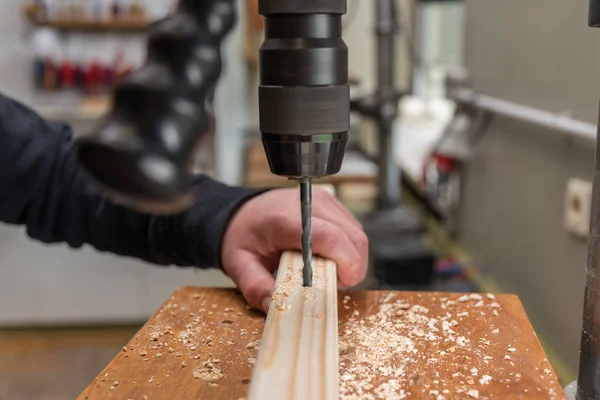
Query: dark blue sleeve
<point x="43" y="188"/>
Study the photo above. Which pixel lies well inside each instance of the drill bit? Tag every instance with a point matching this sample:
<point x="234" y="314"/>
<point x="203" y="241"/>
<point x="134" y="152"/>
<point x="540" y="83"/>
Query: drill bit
<point x="305" y="200"/>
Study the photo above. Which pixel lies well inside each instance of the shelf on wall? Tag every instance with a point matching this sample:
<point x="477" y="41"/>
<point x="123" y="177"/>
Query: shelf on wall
<point x="89" y="109"/>
<point x="121" y="24"/>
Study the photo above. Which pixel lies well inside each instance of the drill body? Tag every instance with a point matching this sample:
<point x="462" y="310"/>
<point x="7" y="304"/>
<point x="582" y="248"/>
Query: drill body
<point x="304" y="97"/>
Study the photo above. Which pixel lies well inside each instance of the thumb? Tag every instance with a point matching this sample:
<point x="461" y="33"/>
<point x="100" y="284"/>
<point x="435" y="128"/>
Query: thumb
<point x="254" y="281"/>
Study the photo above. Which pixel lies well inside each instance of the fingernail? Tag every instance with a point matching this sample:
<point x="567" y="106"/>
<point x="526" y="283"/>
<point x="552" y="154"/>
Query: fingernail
<point x="264" y="304"/>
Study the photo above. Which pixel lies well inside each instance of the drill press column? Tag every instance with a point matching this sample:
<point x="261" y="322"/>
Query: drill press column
<point x="304" y="96"/>
<point x="588" y="382"/>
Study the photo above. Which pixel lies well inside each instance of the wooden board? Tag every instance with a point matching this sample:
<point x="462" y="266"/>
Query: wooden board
<point x="298" y="356"/>
<point x="388" y="330"/>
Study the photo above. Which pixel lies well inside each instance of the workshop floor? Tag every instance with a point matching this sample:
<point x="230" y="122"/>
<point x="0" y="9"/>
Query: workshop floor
<point x="55" y="364"/>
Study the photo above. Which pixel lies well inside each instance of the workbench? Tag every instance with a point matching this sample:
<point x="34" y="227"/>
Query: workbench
<point x="203" y="343"/>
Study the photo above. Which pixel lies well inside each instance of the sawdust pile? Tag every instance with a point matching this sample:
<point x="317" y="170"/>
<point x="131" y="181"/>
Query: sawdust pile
<point x="208" y="371"/>
<point x="405" y="350"/>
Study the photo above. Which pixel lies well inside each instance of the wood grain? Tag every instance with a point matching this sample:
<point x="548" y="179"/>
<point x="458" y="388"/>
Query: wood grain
<point x="217" y="323"/>
<point x="298" y="358"/>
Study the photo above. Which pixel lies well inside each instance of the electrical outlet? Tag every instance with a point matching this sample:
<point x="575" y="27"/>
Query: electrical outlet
<point x="578" y="207"/>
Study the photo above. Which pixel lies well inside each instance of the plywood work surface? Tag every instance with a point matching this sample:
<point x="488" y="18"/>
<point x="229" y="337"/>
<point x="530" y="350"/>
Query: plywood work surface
<point x="202" y="344"/>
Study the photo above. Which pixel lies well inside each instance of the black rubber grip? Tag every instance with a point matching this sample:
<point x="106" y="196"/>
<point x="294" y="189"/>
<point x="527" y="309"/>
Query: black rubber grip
<point x="304" y="110"/>
<point x="270" y="7"/>
<point x="594" y="18"/>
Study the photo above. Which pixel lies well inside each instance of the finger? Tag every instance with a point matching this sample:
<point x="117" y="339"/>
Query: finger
<point x="253" y="280"/>
<point x="357" y="237"/>
<point x="345" y="211"/>
<point x="326" y="201"/>
<point x="331" y="241"/>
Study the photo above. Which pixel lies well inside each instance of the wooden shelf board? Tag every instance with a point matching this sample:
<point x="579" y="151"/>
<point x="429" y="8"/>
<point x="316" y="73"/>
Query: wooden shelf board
<point x="121" y="24"/>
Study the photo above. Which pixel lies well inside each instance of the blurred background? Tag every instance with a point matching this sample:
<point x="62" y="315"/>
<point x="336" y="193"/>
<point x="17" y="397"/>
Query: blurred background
<point x="488" y="166"/>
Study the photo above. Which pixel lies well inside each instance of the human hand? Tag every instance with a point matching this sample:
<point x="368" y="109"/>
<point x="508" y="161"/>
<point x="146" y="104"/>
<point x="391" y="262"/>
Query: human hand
<point x="270" y="224"/>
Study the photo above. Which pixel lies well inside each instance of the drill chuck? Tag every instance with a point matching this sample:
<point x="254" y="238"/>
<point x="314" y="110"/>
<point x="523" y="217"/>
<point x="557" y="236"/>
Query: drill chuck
<point x="304" y="97"/>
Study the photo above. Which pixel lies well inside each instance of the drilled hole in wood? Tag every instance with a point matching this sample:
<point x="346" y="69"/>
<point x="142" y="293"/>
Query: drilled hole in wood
<point x="246" y="381"/>
<point x="227" y="321"/>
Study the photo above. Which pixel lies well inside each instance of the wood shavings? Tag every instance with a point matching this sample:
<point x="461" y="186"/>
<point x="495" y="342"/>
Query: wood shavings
<point x="254" y="345"/>
<point x="491" y="296"/>
<point x="371" y="346"/>
<point x="208" y="371"/>
<point x="511" y="349"/>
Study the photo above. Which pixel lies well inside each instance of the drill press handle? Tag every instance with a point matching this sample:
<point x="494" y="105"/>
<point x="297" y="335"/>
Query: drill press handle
<point x="142" y="150"/>
<point x="594" y="15"/>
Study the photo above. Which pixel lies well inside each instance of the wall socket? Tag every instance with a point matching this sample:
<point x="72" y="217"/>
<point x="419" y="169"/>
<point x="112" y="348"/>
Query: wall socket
<point x="578" y="207"/>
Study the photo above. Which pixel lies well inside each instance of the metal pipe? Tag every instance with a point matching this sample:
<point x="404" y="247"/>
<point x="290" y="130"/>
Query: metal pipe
<point x="588" y="380"/>
<point x="534" y="116"/>
<point x="386" y="52"/>
<point x="588" y="383"/>
<point x="389" y="174"/>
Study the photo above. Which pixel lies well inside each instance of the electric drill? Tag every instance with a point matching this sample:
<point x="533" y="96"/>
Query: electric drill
<point x="141" y="153"/>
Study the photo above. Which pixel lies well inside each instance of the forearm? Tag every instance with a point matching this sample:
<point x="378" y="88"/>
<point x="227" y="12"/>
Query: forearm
<point x="43" y="187"/>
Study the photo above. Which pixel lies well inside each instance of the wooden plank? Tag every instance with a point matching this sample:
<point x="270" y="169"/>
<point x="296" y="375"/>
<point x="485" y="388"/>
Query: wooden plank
<point x="389" y="331"/>
<point x="298" y="358"/>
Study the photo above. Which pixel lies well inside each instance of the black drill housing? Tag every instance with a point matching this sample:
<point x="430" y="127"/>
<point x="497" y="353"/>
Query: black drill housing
<point x="304" y="97"/>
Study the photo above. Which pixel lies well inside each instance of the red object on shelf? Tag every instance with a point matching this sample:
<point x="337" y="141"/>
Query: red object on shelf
<point x="67" y="75"/>
<point x="444" y="163"/>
